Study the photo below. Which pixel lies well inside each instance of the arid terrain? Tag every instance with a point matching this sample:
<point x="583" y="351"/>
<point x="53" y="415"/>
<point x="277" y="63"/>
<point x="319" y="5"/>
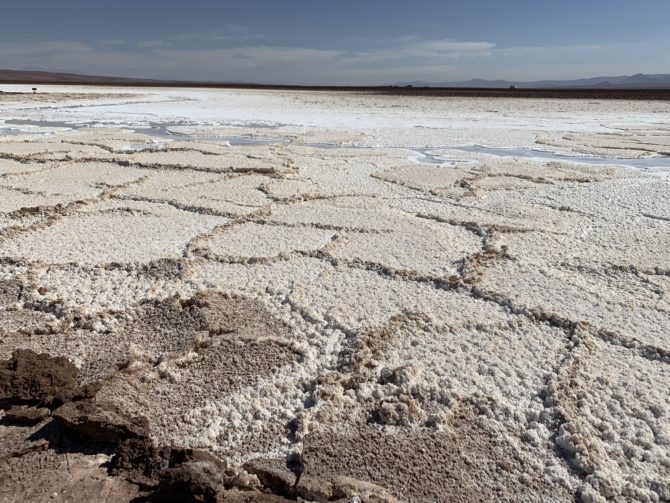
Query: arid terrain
<point x="267" y="296"/>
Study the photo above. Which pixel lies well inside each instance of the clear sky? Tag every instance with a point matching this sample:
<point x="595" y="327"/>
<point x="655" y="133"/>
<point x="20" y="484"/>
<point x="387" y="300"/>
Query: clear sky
<point x="337" y="41"/>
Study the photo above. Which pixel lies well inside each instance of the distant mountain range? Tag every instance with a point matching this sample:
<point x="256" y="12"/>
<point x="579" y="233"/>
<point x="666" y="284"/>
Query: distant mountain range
<point x="37" y="77"/>
<point x="639" y="81"/>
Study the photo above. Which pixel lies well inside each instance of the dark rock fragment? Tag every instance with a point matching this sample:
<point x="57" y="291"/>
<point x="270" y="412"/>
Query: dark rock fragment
<point x="195" y="481"/>
<point x="236" y="496"/>
<point x="140" y="462"/>
<point x="273" y="474"/>
<point x="103" y="422"/>
<point x="30" y="376"/>
<point x="24" y="415"/>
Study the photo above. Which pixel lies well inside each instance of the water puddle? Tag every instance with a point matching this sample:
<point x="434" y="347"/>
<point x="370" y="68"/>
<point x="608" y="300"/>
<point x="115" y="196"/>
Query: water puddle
<point x="49" y="124"/>
<point x="325" y="146"/>
<point x="423" y="155"/>
<point x="159" y="130"/>
<point x="25" y="122"/>
<point x="428" y="156"/>
<point x="164" y="131"/>
<point x="652" y="162"/>
<point x="237" y="141"/>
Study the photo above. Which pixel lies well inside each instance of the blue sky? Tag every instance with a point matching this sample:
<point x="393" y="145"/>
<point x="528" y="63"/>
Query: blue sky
<point x="339" y="42"/>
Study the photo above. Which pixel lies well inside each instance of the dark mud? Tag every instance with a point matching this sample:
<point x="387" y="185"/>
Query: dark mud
<point x="79" y="448"/>
<point x="465" y="463"/>
<point x="49" y="422"/>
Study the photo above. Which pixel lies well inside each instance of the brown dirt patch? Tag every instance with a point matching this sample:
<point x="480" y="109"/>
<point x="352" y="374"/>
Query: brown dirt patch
<point x="465" y="463"/>
<point x="10" y="291"/>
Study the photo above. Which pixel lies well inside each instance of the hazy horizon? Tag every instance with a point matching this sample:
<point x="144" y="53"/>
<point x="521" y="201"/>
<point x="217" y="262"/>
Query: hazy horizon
<point x="373" y="43"/>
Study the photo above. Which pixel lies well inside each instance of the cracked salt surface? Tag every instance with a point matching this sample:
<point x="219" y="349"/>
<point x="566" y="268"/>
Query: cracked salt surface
<point x="266" y="274"/>
<point x="169" y="132"/>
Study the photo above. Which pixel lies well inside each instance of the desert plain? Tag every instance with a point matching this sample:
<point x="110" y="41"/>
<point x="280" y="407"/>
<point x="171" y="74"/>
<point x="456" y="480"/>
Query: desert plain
<point x="256" y="295"/>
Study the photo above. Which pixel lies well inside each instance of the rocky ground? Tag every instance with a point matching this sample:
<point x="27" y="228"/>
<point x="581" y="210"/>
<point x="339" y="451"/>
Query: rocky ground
<point x="335" y="314"/>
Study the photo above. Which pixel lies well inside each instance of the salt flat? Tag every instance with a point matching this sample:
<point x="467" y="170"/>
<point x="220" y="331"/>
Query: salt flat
<point x="331" y="296"/>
